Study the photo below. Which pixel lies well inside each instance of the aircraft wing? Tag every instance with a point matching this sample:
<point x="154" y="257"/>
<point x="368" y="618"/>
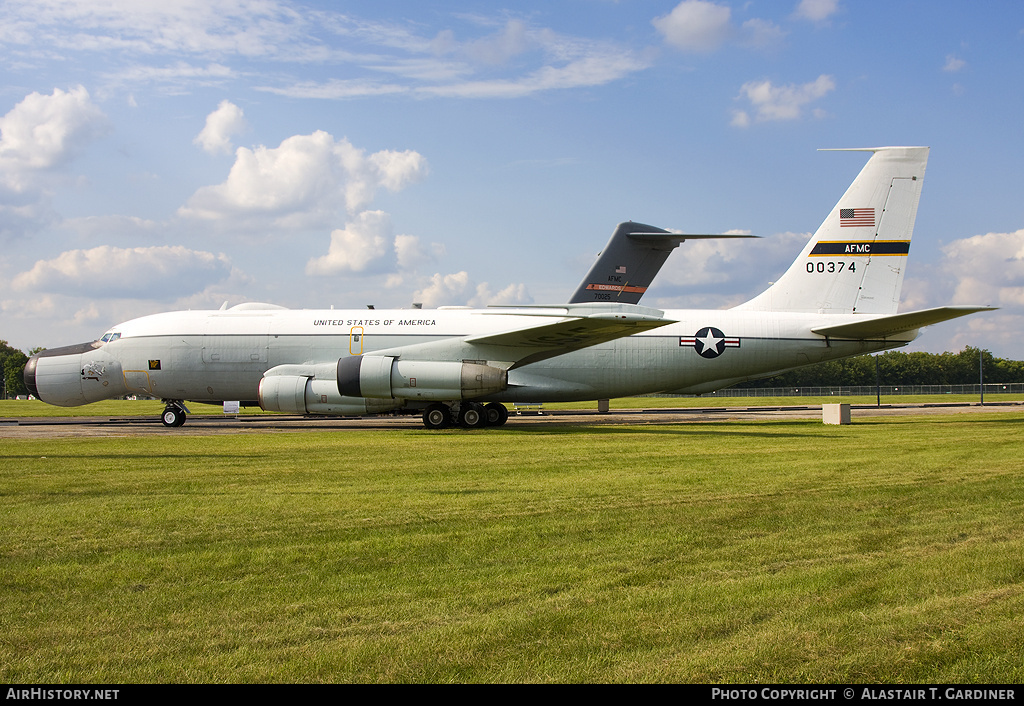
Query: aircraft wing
<point x="559" y="330"/>
<point x="885" y="326"/>
<point x="585" y="326"/>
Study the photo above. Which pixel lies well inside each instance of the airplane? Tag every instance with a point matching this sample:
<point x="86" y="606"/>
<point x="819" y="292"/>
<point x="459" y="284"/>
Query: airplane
<point x="461" y="366"/>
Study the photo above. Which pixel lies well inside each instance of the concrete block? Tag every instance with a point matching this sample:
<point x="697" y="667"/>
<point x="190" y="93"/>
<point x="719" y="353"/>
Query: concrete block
<point x="835" y="413"/>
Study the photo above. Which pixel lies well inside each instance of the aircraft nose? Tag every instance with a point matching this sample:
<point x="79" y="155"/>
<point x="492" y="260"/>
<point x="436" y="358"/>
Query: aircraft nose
<point x="58" y="376"/>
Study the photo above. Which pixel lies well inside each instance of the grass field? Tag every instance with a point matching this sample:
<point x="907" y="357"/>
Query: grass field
<point x="890" y="550"/>
<point x="14" y="409"/>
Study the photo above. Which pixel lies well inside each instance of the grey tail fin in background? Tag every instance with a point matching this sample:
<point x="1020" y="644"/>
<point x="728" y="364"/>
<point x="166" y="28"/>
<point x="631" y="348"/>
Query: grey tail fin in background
<point x="629" y="263"/>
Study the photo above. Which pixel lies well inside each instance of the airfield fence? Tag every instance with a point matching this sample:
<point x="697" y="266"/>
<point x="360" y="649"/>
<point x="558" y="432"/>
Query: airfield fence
<point x="866" y="390"/>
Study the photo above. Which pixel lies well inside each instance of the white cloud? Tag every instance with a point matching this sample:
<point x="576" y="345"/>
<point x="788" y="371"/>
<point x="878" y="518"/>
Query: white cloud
<point x="445" y="290"/>
<point x="221" y="125"/>
<point x="38" y="138"/>
<point x="458" y="289"/>
<point x="740" y="118"/>
<point x="252" y="28"/>
<point x="355" y="247"/>
<point x="511" y="295"/>
<point x="517" y="60"/>
<point x="511" y="41"/>
<point x="409" y="252"/>
<point x="107" y="227"/>
<point x="982" y="270"/>
<point x="816" y="10"/>
<point x="301" y="182"/>
<point x="589" y="71"/>
<point x="759" y="33"/>
<point x="205" y="41"/>
<point x="987" y="269"/>
<point x="107" y="272"/>
<point x="335" y="89"/>
<point x="177" y="78"/>
<point x="42" y="133"/>
<point x="953" y="64"/>
<point x="781" y="102"/>
<point x="366" y="245"/>
<point x="695" y="25"/>
<point x="393" y="170"/>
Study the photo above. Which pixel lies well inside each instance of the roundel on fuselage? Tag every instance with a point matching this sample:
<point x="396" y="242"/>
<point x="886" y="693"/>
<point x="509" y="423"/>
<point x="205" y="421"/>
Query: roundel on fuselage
<point x="709" y="342"/>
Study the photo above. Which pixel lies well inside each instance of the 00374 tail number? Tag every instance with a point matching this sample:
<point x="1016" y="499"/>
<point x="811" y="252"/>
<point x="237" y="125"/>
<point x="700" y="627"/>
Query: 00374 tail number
<point x="830" y="267"/>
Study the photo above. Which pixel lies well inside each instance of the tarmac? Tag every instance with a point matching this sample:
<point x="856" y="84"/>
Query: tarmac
<point x="206" y="424"/>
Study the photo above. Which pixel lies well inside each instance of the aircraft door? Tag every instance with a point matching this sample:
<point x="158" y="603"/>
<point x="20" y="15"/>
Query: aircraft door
<point x="355" y="340"/>
<point x="137" y="381"/>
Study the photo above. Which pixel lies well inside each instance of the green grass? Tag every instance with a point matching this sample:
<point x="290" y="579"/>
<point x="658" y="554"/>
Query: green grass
<point x="19" y="409"/>
<point x="890" y="550"/>
<point x="717" y="401"/>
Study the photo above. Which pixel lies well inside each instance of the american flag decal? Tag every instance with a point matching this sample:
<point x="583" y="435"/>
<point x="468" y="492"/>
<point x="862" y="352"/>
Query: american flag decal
<point x="856" y="217"/>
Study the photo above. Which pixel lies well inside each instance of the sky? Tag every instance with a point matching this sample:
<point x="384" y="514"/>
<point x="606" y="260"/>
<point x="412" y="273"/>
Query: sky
<point x="157" y="156"/>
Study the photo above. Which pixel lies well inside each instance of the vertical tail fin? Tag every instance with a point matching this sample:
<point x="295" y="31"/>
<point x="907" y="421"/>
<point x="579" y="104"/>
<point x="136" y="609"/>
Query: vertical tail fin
<point x="630" y="261"/>
<point x="856" y="260"/>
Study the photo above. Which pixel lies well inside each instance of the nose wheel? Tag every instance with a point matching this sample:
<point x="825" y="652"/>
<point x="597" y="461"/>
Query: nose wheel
<point x="174" y="415"/>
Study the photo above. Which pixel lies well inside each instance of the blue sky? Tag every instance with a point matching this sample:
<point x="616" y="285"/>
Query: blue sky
<point x="168" y="155"/>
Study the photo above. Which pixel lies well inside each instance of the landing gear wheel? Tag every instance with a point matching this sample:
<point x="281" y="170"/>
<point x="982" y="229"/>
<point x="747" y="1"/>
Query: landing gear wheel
<point x="496" y="414"/>
<point x="472" y="416"/>
<point x="173" y="417"/>
<point x="437" y="416"/>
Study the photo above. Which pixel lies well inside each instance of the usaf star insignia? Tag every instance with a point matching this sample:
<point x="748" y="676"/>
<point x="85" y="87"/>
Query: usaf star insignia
<point x="709" y="342"/>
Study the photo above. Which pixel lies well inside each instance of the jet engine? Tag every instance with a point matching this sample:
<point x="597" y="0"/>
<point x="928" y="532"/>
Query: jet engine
<point x="298" y="394"/>
<point x="387" y="377"/>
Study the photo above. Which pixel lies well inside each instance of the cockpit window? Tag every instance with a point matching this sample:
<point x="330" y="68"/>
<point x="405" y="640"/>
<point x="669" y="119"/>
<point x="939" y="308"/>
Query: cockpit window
<point x="110" y="336"/>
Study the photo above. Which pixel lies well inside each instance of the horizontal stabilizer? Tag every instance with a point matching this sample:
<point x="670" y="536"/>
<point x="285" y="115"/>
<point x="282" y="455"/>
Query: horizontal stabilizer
<point x="885" y="326"/>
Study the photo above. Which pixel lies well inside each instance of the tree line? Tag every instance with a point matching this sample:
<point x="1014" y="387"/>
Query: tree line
<point x="12" y="362"/>
<point x="899" y="368"/>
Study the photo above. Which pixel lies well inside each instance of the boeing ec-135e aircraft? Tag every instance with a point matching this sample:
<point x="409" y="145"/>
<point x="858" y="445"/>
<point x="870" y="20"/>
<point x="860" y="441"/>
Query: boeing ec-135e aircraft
<point x="457" y="365"/>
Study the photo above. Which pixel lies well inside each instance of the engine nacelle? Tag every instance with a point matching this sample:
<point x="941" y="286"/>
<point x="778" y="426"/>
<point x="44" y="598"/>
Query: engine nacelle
<point x="298" y="394"/>
<point x="386" y="377"/>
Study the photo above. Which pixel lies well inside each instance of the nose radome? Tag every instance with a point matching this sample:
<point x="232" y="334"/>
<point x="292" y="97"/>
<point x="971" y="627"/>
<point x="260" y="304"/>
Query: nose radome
<point x="55" y="376"/>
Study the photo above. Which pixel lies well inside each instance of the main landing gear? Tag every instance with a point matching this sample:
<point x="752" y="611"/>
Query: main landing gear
<point x="470" y="415"/>
<point x="174" y="413"/>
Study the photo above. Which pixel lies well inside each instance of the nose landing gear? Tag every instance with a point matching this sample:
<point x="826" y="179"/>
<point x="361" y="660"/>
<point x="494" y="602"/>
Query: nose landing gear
<point x="174" y="413"/>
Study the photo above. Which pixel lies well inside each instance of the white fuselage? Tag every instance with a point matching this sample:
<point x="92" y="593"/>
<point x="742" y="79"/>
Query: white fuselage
<point x="213" y="356"/>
